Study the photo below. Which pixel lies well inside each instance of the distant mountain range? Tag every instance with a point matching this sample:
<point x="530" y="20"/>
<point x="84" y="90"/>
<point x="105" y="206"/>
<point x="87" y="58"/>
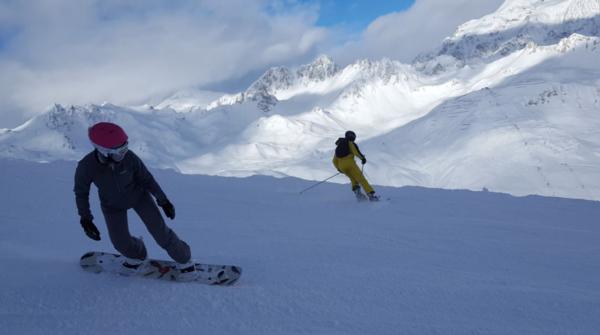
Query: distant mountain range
<point x="509" y="103"/>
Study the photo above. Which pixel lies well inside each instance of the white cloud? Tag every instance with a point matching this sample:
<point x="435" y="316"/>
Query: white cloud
<point x="404" y="35"/>
<point x="77" y="52"/>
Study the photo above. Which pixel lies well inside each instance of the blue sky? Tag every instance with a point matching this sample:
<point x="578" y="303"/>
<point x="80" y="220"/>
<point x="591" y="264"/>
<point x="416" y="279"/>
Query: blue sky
<point x="356" y="14"/>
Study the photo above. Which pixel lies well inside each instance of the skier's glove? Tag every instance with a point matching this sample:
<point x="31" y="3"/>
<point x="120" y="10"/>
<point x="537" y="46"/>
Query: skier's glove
<point x="90" y="229"/>
<point x="168" y="208"/>
<point x="364" y="161"/>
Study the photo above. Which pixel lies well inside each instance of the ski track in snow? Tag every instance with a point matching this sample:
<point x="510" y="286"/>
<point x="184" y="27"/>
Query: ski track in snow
<point x="426" y="261"/>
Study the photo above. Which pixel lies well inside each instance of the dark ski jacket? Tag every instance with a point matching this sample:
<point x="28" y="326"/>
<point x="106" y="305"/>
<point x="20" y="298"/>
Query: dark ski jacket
<point x="120" y="185"/>
<point x="345" y="148"/>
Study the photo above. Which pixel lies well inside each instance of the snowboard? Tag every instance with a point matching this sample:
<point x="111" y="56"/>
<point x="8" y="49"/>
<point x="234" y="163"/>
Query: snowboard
<point x="210" y="274"/>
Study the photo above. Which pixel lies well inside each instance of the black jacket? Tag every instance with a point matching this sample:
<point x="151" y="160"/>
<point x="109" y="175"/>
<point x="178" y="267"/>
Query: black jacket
<point x="344" y="149"/>
<point x="120" y="185"/>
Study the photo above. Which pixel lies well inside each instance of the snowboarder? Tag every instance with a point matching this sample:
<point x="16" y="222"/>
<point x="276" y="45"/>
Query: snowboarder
<point x="343" y="160"/>
<point x="124" y="183"/>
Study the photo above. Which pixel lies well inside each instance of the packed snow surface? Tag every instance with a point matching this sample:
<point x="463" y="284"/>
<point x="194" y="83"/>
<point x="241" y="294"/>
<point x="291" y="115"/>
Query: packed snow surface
<point x="421" y="261"/>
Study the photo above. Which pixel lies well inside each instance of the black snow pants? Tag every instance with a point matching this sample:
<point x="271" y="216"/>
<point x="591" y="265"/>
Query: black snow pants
<point x="131" y="247"/>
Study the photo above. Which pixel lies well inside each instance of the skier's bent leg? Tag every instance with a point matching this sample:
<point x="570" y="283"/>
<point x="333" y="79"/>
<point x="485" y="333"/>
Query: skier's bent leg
<point x="118" y="230"/>
<point x="360" y="178"/>
<point x="353" y="181"/>
<point x="164" y="236"/>
<point x="355" y="186"/>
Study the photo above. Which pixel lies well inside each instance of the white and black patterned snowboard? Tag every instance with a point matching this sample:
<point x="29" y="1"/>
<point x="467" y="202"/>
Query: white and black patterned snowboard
<point x="210" y="274"/>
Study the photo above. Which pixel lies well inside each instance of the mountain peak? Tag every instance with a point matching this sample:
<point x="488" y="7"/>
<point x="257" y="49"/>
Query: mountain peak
<point x="574" y="9"/>
<point x="516" y="25"/>
<point x="321" y="68"/>
<point x="278" y="79"/>
<point x="323" y="60"/>
<point x="514" y="14"/>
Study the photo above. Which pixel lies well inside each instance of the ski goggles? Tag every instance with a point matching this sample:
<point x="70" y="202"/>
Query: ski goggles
<point x="117" y="154"/>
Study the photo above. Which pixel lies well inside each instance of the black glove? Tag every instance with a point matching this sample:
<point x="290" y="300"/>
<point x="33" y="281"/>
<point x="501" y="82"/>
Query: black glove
<point x="168" y="208"/>
<point x="364" y="160"/>
<point x="90" y="229"/>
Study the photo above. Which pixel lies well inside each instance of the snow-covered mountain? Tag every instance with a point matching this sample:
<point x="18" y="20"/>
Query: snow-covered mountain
<point x="187" y="100"/>
<point x="516" y="25"/>
<point x="509" y="103"/>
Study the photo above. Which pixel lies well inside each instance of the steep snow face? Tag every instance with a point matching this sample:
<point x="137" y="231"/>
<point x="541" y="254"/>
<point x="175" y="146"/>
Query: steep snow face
<point x="188" y="100"/>
<point x="501" y="139"/>
<point x="509" y="103"/>
<point x="537" y="129"/>
<point x="518" y="24"/>
<point x="579" y="9"/>
<point x="515" y="14"/>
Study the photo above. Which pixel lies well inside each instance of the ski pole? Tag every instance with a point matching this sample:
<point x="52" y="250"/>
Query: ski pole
<point x="362" y="170"/>
<point x="317" y="184"/>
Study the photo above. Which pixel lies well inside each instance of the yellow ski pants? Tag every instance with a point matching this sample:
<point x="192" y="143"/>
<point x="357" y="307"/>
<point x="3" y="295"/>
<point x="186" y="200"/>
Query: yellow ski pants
<point x="348" y="166"/>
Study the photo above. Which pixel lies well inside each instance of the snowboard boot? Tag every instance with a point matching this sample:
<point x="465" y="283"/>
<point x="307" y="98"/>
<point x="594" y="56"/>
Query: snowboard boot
<point x="186" y="271"/>
<point x="373" y="197"/>
<point x="131" y="266"/>
<point x="359" y="195"/>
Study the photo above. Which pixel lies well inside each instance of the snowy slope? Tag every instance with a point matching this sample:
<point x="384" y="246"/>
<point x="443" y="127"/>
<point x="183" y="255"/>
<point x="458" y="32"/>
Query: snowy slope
<point x="509" y="103"/>
<point x="425" y="262"/>
<point x="516" y="25"/>
<point x="536" y="130"/>
<point x="187" y="100"/>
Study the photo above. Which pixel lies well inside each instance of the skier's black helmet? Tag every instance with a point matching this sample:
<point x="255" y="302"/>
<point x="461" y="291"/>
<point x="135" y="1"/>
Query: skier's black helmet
<point x="350" y="135"/>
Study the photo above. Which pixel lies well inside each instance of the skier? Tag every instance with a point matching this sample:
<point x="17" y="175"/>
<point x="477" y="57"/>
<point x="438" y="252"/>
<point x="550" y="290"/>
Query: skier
<point x="124" y="183"/>
<point x="343" y="160"/>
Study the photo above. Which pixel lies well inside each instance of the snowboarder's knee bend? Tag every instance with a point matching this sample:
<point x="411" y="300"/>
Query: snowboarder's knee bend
<point x="175" y="247"/>
<point x="130" y="247"/>
<point x="180" y="252"/>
